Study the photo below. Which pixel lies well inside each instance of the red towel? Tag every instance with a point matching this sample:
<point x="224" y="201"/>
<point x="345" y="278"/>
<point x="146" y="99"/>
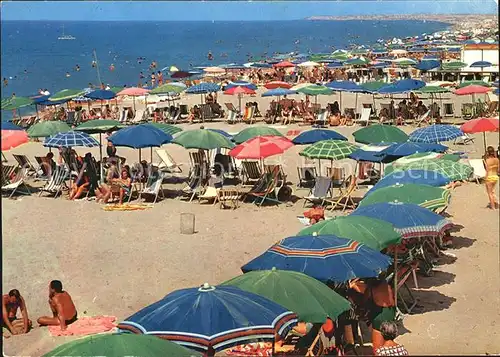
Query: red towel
<point x="88" y="325"/>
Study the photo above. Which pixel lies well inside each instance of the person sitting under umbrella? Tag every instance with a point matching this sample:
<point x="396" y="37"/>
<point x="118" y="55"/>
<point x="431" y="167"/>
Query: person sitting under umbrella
<point x="82" y="182"/>
<point x="389" y="331"/>
<point x="120" y="186"/>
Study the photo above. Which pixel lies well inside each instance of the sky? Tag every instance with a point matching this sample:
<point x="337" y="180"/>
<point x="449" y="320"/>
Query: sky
<point x="230" y="10"/>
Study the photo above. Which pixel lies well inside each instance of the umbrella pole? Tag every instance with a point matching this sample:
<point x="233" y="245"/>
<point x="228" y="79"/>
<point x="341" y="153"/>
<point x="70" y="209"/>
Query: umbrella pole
<point x="340" y="106"/>
<point x="396" y="278"/>
<point x="356" y="105"/>
<point x="134" y="103"/>
<point x="100" y="158"/>
<point x="484" y="140"/>
<point x="151" y="155"/>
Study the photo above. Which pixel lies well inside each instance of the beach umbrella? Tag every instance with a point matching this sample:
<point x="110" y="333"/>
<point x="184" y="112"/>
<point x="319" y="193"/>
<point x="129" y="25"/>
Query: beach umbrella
<point x="203" y="88"/>
<point x="167" y="128"/>
<point x="202" y="139"/>
<point x="357" y="61"/>
<point x="15" y="103"/>
<point x="414" y="176"/>
<point x="261" y="147"/>
<point x="433" y="89"/>
<point x="327" y="258"/>
<point x="409" y="148"/>
<point x="435" y="133"/>
<point x="45" y="129"/>
<point x="472" y="89"/>
<point x="239" y="91"/>
<point x="301" y="85"/>
<point x="277" y="84"/>
<point x="374" y="233"/>
<point x="427" y="65"/>
<point x="288" y="288"/>
<point x="345" y="86"/>
<point x="315" y="90"/>
<point x="212" y="318"/>
<point x="473" y="82"/>
<point x="429" y="197"/>
<point x="453" y="66"/>
<point x="399" y="52"/>
<point x="140" y="136"/>
<point x="284" y="64"/>
<point x="101" y="94"/>
<point x="315" y="135"/>
<point x="241" y="84"/>
<point x="99" y="126"/>
<point x="409" y="220"/>
<point x="481" y="64"/>
<point x="133" y="92"/>
<point x="252" y="132"/>
<point x="8" y="125"/>
<point x="373" y="86"/>
<point x="223" y="133"/>
<point x="402" y="86"/>
<point x="119" y="345"/>
<point x="329" y="150"/>
<point x="70" y="139"/>
<point x="380" y="134"/>
<point x="309" y="64"/>
<point x="13" y="138"/>
<point x="455" y="171"/>
<point x="66" y="94"/>
<point x="214" y="70"/>
<point x="426" y="156"/>
<point x="168" y="88"/>
<point x="278" y="92"/>
<point x="404" y="62"/>
<point x="481" y="125"/>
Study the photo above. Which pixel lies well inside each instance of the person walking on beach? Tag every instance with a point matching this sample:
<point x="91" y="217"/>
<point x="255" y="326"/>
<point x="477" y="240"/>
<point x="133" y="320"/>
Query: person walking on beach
<point x="389" y="331"/>
<point x="11" y="302"/>
<point x="62" y="306"/>
<point x="491" y="163"/>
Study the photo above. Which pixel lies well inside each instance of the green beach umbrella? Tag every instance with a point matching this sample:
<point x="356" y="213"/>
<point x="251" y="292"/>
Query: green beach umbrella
<point x="357" y="61"/>
<point x="119" y="345"/>
<point x="202" y="139"/>
<point x="315" y="90"/>
<point x="252" y="132"/>
<point x="329" y="150"/>
<point x="309" y="298"/>
<point x="373" y="86"/>
<point x="474" y="83"/>
<point x="45" y="129"/>
<point x="404" y="62"/>
<point x="167" y="128"/>
<point x="374" y="134"/>
<point x="15" y="103"/>
<point x="433" y="90"/>
<point x="453" y="65"/>
<point x="99" y="126"/>
<point x="66" y="94"/>
<point x="168" y="88"/>
<point x="360" y="51"/>
<point x="374" y="233"/>
<point x="429" y="197"/>
<point x="453" y="170"/>
<point x="425" y="156"/>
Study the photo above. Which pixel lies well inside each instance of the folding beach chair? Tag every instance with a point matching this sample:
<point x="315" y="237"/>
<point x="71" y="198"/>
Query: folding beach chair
<point x="321" y="118"/>
<point x="24" y="162"/>
<point x="7" y="171"/>
<point x="230" y="107"/>
<point x="424" y="118"/>
<point x="167" y="163"/>
<point x="123" y="116"/>
<point x="16" y="182"/>
<point x="265" y="189"/>
<point x="153" y="186"/>
<point x="57" y="181"/>
<point x="479" y="169"/>
<point x="43" y="171"/>
<point x="251" y="172"/>
<point x="405" y="299"/>
<point x="346" y="195"/>
<point x="198" y="179"/>
<point x="307" y="175"/>
<point x="464" y="140"/>
<point x="365" y="117"/>
<point x="249" y="115"/>
<point x="206" y="112"/>
<point x="232" y="117"/>
<point x="231" y="195"/>
<point x="175" y="116"/>
<point x="321" y="191"/>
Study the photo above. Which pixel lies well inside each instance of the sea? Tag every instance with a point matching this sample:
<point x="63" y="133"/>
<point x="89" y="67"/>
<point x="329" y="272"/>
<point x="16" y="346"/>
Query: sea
<point x="33" y="58"/>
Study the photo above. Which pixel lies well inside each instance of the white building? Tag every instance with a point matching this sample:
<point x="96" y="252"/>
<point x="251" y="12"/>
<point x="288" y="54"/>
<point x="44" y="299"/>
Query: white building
<point x="480" y="52"/>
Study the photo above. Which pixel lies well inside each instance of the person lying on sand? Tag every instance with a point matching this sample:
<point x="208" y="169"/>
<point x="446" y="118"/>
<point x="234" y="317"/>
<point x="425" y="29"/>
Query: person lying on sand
<point x="62" y="306"/>
<point x="11" y="302"/>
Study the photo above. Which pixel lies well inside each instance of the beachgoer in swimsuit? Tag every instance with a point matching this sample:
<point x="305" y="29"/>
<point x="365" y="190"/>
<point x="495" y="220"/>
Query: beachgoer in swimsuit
<point x="81" y="183"/>
<point x="5" y="82"/>
<point x="62" y="306"/>
<point x="11" y="302"/>
<point x="121" y="186"/>
<point x="389" y="331"/>
<point x="491" y="163"/>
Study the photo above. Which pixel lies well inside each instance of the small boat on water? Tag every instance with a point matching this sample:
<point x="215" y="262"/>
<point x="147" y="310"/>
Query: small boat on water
<point x="66" y="37"/>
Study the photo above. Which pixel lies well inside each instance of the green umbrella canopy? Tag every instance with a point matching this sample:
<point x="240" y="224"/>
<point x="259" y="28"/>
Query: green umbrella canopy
<point x="453" y="65"/>
<point x="425" y="156"/>
<point x="66" y="94"/>
<point x="167" y="88"/>
<point x="167" y="128"/>
<point x="329" y="150"/>
<point x="252" y="132"/>
<point x="45" y="129"/>
<point x="475" y="83"/>
<point x="309" y="298"/>
<point x="116" y="89"/>
<point x="429" y="197"/>
<point x="360" y="51"/>
<point x="433" y="90"/>
<point x="357" y="62"/>
<point x="405" y="62"/>
<point x="315" y="90"/>
<point x="373" y="86"/>
<point x="119" y="345"/>
<point x="99" y="126"/>
<point x="15" y="103"/>
<point x="380" y="134"/>
<point x="453" y="170"/>
<point x="374" y="233"/>
<point x="202" y="139"/>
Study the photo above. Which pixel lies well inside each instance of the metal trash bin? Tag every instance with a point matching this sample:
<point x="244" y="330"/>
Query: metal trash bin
<point x="187" y="223"/>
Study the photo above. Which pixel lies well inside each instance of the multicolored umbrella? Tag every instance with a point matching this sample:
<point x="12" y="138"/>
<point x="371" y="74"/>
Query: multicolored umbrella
<point x="66" y="94"/>
<point x="418" y="177"/>
<point x="315" y="135"/>
<point x="251" y="132"/>
<point x="374" y="233"/>
<point x="202" y="139"/>
<point x="327" y="258"/>
<point x="288" y="288"/>
<point x="410" y="220"/>
<point x="13" y="138"/>
<point x="481" y="125"/>
<point x="435" y="134"/>
<point x="429" y="197"/>
<point x="70" y="139"/>
<point x="261" y="147"/>
<point x="455" y="171"/>
<point x="375" y="134"/>
<point x="119" y="345"/>
<point x="329" y="150"/>
<point x="45" y="129"/>
<point x="212" y="318"/>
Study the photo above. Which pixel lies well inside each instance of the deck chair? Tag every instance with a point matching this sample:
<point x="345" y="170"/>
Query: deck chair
<point x="232" y="196"/>
<point x="24" y="162"/>
<point x="175" y="116"/>
<point x="153" y="186"/>
<point x="230" y="107"/>
<point x="70" y="119"/>
<point x="57" y="181"/>
<point x="307" y="175"/>
<point x="197" y="181"/>
<point x="479" y="169"/>
<point x="321" y="191"/>
<point x="310" y="344"/>
<point x="321" y="118"/>
<point x="139" y="116"/>
<point x="265" y="190"/>
<point x="365" y="117"/>
<point x="424" y="118"/>
<point x="44" y="171"/>
<point x="345" y="195"/>
<point x="249" y="115"/>
<point x="123" y="116"/>
<point x="17" y="182"/>
<point x="467" y="110"/>
<point x="251" y="172"/>
<point x="7" y="171"/>
<point x="403" y="290"/>
<point x="167" y="163"/>
<point x="232" y="117"/>
<point x="464" y="140"/>
<point x="206" y="112"/>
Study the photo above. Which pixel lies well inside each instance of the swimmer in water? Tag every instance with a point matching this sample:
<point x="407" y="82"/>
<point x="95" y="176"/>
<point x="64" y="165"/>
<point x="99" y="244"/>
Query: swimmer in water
<point x="210" y="56"/>
<point x="5" y="82"/>
<point x="67" y="74"/>
<point x="77" y="68"/>
<point x="112" y="67"/>
<point x="94" y="64"/>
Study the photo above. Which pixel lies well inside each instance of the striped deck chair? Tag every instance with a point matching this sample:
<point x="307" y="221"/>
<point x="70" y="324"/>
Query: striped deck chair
<point x="249" y="115"/>
<point x="43" y="171"/>
<point x="307" y="175"/>
<point x="16" y="182"/>
<point x="7" y="171"/>
<point x="153" y="186"/>
<point x="251" y="172"/>
<point x="139" y="116"/>
<point x="346" y="196"/>
<point x="198" y="179"/>
<point x="167" y="163"/>
<point x="206" y="112"/>
<point x="24" y="162"/>
<point x="321" y="118"/>
<point x="424" y="118"/>
<point x="265" y="189"/>
<point x="57" y="181"/>
<point x="321" y="191"/>
<point x="123" y="116"/>
<point x="232" y="117"/>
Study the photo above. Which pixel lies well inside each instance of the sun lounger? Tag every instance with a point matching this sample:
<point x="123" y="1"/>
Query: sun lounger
<point x="345" y="195"/>
<point x="167" y="163"/>
<point x="464" y="140"/>
<point x="424" y="118"/>
<point x="307" y="176"/>
<point x="153" y="186"/>
<point x="479" y="169"/>
<point x="365" y="117"/>
<point x="57" y="181"/>
<point x="321" y="191"/>
<point x="251" y="172"/>
<point x="17" y="181"/>
<point x="24" y="162"/>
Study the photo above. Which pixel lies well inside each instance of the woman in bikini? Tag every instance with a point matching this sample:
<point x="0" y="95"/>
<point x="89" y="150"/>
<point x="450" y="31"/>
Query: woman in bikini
<point x="120" y="186"/>
<point x="492" y="166"/>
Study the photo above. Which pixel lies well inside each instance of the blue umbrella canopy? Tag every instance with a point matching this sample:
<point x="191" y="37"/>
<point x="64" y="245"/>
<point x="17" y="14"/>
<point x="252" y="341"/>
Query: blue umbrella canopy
<point x="402" y="86"/>
<point x="241" y="84"/>
<point x="212" y="317"/>
<point x="140" y="136"/>
<point x="345" y="86"/>
<point x="70" y="139"/>
<point x="435" y="134"/>
<point x="278" y="92"/>
<point x="409" y="148"/>
<point x="203" y="88"/>
<point x="101" y="94"/>
<point x="417" y="177"/>
<point x="223" y="133"/>
<point x="481" y="64"/>
<point x="427" y="65"/>
<point x="327" y="258"/>
<point x="315" y="135"/>
<point x="368" y="156"/>
<point x="8" y="125"/>
<point x="410" y="220"/>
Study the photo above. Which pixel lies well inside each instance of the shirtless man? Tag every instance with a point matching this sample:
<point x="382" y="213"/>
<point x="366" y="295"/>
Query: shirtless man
<point x="62" y="306"/>
<point x="10" y="303"/>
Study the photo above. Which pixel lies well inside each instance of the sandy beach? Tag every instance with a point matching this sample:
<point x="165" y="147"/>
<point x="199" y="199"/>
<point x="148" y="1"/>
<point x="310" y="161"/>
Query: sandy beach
<point x="115" y="263"/>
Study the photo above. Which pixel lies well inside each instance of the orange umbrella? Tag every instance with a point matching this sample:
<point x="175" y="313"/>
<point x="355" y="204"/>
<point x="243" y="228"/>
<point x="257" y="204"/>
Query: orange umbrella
<point x="261" y="147"/>
<point x="284" y="64"/>
<point x="13" y="138"/>
<point x="277" y="84"/>
<point x="472" y="89"/>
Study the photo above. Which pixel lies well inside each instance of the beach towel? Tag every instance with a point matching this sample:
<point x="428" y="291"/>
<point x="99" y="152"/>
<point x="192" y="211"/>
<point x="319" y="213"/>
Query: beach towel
<point x="262" y="349"/>
<point x="87" y="325"/>
<point x="127" y="207"/>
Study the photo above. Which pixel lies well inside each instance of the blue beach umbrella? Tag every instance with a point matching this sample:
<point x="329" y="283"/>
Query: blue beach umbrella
<point x="211" y="318"/>
<point x="223" y="133"/>
<point x="324" y="257"/>
<point x="410" y="148"/>
<point x="241" y="84"/>
<point x="8" y="125"/>
<point x="418" y="177"/>
<point x="140" y="136"/>
<point x="335" y="65"/>
<point x="368" y="156"/>
<point x="101" y="94"/>
<point x="278" y="92"/>
<point x="481" y="64"/>
<point x="427" y="65"/>
<point x="315" y="135"/>
<point x="203" y="88"/>
<point x="435" y="134"/>
<point x="410" y="220"/>
<point x="402" y="86"/>
<point x="70" y="139"/>
<point x="345" y="86"/>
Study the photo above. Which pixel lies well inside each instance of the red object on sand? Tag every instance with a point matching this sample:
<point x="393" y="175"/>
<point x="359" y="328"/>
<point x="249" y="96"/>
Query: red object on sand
<point x="239" y="90"/>
<point x="277" y="84"/>
<point x="480" y="125"/>
<point x="13" y="138"/>
<point x="472" y="89"/>
<point x="261" y="147"/>
<point x="284" y="64"/>
<point x="87" y="325"/>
